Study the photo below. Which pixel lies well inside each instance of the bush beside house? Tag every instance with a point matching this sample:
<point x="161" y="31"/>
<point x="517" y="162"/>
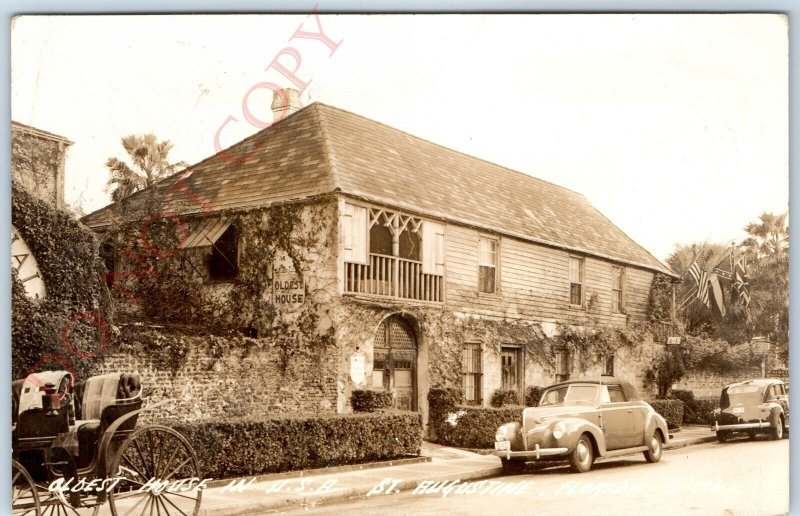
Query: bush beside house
<point x="504" y="397"/>
<point x="671" y="410"/>
<point x="251" y="447"/>
<point x="455" y="424"/>
<point x="370" y="401"/>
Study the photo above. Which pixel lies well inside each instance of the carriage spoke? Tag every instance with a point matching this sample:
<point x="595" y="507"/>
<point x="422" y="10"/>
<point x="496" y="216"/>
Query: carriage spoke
<point x="136" y="469"/>
<point x="143" y="498"/>
<point x="144" y="462"/>
<point x="179" y="494"/>
<point x="182" y="464"/>
<point x="169" y="461"/>
<point x="172" y="504"/>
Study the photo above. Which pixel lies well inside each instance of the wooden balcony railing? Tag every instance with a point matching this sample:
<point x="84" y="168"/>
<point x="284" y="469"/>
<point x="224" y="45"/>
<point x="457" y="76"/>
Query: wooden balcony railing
<point x="393" y="277"/>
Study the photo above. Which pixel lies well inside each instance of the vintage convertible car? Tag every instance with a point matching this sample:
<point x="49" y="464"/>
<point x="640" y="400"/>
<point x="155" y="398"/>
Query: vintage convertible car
<point x="580" y="420"/>
<point x="752" y="407"/>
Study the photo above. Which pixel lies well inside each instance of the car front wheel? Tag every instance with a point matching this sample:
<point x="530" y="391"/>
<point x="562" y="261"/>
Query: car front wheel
<point x="654" y="449"/>
<point x="582" y="457"/>
<point x="722" y="436"/>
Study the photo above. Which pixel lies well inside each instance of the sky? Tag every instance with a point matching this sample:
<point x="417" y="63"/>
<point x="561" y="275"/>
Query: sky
<point x="674" y="126"/>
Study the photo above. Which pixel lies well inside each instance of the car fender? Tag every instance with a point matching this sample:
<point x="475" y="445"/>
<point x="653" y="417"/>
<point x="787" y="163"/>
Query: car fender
<point x="513" y="432"/>
<point x="653" y="420"/>
<point x="577" y="427"/>
<point x="775" y="412"/>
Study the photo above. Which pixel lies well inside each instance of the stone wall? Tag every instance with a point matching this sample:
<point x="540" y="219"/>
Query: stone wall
<point x="214" y="378"/>
<point x="708" y="385"/>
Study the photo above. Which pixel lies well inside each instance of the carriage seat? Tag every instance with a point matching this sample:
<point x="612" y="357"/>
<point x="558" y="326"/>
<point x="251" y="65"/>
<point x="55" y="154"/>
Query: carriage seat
<point x="99" y="400"/>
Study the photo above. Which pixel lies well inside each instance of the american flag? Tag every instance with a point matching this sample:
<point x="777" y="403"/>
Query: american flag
<point x="700" y="276"/>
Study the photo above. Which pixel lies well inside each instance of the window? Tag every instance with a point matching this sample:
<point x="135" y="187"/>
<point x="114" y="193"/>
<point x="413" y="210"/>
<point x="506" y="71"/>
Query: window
<point x="473" y="374"/>
<point x="618" y="290"/>
<point x="511" y="368"/>
<point x="223" y="264"/>
<point x="615" y="394"/>
<point x="487" y="265"/>
<point x="575" y="281"/>
<point x="562" y="365"/>
<point x="607" y="363"/>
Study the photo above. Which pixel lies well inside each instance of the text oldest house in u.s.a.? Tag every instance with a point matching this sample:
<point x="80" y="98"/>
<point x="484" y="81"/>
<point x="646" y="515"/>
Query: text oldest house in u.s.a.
<point x="416" y="266"/>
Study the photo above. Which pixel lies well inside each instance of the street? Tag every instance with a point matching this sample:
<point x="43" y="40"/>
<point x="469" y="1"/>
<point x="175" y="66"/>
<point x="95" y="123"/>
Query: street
<point x="736" y="478"/>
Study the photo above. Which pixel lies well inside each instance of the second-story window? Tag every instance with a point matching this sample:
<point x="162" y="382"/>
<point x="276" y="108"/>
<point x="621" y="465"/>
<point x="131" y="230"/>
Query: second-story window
<point x="487" y="265"/>
<point x="618" y="289"/>
<point x="575" y="281"/>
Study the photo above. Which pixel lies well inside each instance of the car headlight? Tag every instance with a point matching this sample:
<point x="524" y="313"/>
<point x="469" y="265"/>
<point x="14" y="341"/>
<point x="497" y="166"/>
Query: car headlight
<point x="559" y="429"/>
<point x="501" y="435"/>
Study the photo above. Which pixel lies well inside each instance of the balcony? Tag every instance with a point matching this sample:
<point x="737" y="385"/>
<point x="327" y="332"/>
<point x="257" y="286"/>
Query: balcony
<point x="389" y="276"/>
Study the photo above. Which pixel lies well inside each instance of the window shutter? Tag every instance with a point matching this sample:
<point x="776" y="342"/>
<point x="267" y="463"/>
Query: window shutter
<point x="432" y="248"/>
<point x="354" y="233"/>
<point x="623" y="281"/>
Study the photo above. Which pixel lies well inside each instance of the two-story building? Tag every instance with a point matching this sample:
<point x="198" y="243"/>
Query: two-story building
<point x="426" y="266"/>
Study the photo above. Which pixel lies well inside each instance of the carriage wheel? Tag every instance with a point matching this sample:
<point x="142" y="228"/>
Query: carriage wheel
<point x="152" y="462"/>
<point x="24" y="498"/>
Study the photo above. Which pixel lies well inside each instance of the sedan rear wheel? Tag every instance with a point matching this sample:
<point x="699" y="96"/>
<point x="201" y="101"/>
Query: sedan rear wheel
<point x="654" y="448"/>
<point x="776" y="432"/>
<point x="582" y="457"/>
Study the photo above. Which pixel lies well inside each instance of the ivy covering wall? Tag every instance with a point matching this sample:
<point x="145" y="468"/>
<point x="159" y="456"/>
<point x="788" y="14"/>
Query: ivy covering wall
<point x="67" y="326"/>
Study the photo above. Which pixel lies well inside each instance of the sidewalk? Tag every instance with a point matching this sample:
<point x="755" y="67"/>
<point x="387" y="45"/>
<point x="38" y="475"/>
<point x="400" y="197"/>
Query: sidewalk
<point x="286" y="491"/>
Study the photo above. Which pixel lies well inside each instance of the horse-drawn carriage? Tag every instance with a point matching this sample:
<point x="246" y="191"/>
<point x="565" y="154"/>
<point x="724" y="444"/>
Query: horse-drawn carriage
<point x="76" y="445"/>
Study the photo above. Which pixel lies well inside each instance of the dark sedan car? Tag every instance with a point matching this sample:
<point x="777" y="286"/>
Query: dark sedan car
<point x="752" y="407"/>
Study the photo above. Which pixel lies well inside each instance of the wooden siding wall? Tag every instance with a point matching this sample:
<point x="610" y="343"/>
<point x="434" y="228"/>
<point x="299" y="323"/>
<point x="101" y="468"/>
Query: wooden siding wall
<point x="534" y="283"/>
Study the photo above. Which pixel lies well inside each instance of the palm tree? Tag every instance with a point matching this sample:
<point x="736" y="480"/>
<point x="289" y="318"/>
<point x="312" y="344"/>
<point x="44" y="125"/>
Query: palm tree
<point x="150" y="160"/>
<point x="769" y="238"/>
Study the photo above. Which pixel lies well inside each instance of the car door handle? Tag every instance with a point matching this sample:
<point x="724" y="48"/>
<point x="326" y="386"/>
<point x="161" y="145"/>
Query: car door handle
<point x="630" y="411"/>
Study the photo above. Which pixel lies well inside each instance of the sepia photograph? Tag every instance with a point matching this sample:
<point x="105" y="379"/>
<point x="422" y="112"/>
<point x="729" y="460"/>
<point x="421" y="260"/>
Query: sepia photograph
<point x="378" y="264"/>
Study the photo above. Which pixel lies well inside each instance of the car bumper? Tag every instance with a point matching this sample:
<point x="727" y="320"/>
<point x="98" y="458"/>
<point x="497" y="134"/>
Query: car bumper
<point x="536" y="453"/>
<point x="716" y="427"/>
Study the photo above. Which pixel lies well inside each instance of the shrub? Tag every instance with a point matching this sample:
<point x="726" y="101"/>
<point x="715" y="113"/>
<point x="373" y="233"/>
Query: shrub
<point x="441" y="401"/>
<point x="671" y="410"/>
<point x="370" y="401"/>
<point x="532" y="395"/>
<point x="250" y="447"/>
<point x="474" y="427"/>
<point x="695" y="412"/>
<point x="504" y="397"/>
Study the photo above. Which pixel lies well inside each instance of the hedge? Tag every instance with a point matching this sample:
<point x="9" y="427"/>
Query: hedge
<point x="532" y="395"/>
<point x="370" y="401"/>
<point x="671" y="410"/>
<point x="504" y="397"/>
<point x="251" y="447"/>
<point x="695" y="412"/>
<point x="475" y="427"/>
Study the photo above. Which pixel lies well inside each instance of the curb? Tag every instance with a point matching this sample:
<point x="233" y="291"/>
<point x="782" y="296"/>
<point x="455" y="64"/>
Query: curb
<point x="245" y="508"/>
<point x="321" y="471"/>
<point x="690" y="442"/>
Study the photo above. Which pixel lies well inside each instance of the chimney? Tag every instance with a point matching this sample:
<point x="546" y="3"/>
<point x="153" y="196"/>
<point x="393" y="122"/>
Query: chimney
<point x="284" y="103"/>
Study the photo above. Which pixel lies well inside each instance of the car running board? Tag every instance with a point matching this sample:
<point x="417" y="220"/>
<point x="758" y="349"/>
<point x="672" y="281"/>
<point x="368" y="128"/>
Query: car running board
<point x="625" y="451"/>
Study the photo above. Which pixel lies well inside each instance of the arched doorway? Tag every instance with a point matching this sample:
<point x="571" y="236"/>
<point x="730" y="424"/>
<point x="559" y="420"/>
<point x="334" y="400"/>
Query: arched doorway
<point x="394" y="365"/>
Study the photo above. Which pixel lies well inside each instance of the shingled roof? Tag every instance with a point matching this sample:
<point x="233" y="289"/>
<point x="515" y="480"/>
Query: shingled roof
<point x="322" y="149"/>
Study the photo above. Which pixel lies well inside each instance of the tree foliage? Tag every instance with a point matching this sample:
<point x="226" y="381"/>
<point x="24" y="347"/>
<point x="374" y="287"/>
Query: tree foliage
<point x="148" y="162"/>
<point x="765" y="253"/>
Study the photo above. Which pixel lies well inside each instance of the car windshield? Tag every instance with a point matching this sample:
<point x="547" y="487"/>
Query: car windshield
<point x="569" y="394"/>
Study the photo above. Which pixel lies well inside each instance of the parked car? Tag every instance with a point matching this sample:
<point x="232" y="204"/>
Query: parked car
<point x="752" y="407"/>
<point x="580" y="420"/>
